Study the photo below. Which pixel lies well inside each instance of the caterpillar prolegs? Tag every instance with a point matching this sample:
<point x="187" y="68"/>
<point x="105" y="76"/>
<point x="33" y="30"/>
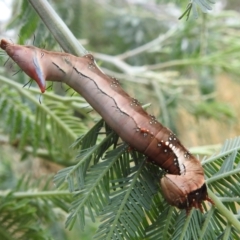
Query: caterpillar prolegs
<point x="183" y="185"/>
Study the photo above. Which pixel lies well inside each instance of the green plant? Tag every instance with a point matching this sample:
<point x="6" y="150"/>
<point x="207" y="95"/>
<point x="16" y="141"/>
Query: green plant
<point x="105" y="180"/>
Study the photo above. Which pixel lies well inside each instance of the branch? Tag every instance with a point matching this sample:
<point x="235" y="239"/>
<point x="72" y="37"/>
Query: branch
<point x="58" y="28"/>
<point x="150" y="45"/>
<point x="36" y="194"/>
<point x="224" y="211"/>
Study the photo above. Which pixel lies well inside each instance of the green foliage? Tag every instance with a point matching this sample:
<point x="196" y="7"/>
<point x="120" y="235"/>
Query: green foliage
<point x="31" y="123"/>
<point x="29" y="207"/>
<point x="217" y="110"/>
<point x="102" y="179"/>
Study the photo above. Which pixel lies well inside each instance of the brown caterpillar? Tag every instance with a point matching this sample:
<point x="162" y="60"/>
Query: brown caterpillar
<point x="183" y="186"/>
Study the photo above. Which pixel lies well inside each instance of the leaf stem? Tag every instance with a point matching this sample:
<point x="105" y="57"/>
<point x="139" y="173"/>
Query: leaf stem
<point x="223" y="175"/>
<point x="185" y="226"/>
<point x="123" y="203"/>
<point x="35" y="194"/>
<point x="224" y="211"/>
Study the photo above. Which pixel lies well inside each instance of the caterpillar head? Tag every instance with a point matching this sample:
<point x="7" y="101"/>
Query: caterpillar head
<point x="187" y="190"/>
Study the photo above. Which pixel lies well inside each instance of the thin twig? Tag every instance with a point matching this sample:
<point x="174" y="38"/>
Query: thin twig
<point x="150" y="45"/>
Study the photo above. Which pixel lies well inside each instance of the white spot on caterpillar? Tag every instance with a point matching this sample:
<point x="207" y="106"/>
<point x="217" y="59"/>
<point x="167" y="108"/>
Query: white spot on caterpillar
<point x="114" y="83"/>
<point x="153" y="119"/>
<point x="186" y="154"/>
<point x="167" y="143"/>
<point x="134" y="102"/>
<point x="89" y="56"/>
<point x="91" y="66"/>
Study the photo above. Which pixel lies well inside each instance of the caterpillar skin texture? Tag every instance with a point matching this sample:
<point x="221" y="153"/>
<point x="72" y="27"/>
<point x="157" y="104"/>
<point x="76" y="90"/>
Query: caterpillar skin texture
<point x="183" y="185"/>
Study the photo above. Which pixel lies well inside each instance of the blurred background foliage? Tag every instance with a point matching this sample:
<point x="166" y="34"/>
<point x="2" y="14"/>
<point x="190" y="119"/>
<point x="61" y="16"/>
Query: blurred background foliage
<point x="187" y="70"/>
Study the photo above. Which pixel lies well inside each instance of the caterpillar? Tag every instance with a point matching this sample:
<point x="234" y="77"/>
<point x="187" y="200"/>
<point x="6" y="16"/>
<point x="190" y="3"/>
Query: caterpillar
<point x="183" y="185"/>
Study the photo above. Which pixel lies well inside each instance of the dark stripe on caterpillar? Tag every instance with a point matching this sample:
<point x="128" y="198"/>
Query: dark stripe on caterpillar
<point x="183" y="185"/>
